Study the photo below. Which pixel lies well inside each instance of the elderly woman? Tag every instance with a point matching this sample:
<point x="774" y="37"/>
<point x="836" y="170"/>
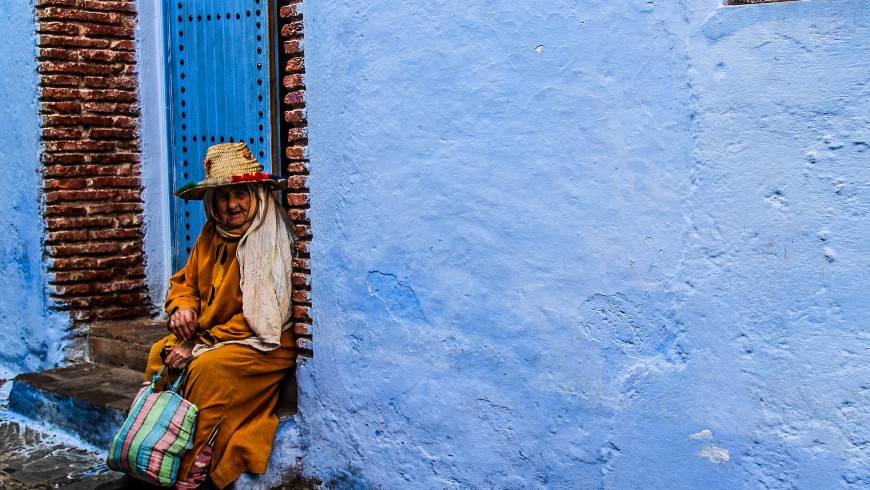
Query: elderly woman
<point x="229" y="311"/>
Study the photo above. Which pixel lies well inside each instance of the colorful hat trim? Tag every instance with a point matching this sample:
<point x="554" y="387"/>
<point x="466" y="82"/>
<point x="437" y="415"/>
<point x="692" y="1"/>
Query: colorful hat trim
<point x="228" y="164"/>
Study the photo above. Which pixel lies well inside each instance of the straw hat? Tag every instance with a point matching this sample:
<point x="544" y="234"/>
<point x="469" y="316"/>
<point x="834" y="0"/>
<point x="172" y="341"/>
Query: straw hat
<point x="228" y="164"/>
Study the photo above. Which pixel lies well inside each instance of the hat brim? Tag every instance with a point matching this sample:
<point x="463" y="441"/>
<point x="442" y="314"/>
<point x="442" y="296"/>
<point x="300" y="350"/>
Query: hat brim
<point x="196" y="191"/>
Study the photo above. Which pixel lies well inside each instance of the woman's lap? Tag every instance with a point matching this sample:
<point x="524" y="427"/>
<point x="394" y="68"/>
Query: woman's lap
<point x="234" y="386"/>
<point x="226" y="364"/>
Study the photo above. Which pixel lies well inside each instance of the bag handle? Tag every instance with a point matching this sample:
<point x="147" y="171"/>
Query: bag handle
<point x="157" y="377"/>
<point x="178" y="380"/>
<point x="174" y="387"/>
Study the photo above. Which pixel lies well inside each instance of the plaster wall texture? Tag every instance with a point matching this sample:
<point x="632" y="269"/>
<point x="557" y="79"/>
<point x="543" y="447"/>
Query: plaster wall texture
<point x="150" y="52"/>
<point x="600" y="244"/>
<point x="34" y="336"/>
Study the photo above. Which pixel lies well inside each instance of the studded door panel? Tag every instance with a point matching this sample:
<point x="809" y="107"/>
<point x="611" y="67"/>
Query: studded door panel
<point x="218" y="69"/>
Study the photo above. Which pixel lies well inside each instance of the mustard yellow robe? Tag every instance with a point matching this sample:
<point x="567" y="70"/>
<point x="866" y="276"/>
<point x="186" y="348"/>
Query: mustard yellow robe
<point x="233" y="385"/>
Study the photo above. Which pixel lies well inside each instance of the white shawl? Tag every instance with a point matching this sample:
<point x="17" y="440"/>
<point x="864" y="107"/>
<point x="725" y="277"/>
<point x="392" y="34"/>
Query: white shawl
<point x="265" y="255"/>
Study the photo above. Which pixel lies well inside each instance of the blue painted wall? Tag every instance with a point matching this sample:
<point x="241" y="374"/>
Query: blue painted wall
<point x="598" y="244"/>
<point x="33" y="336"/>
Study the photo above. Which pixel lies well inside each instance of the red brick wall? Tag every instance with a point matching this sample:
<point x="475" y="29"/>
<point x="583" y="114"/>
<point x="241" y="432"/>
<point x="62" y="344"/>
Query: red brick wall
<point x="93" y="204"/>
<point x="293" y="142"/>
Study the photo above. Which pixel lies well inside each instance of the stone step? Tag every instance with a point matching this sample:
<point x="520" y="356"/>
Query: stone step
<point x="90" y="400"/>
<point x="125" y="343"/>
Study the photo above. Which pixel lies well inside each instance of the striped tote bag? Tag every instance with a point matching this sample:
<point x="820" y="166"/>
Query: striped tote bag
<point x="156" y="435"/>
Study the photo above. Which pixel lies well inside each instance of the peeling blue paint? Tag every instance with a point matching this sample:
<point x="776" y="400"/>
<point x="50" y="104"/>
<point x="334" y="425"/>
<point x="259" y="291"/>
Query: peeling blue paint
<point x="398" y="297"/>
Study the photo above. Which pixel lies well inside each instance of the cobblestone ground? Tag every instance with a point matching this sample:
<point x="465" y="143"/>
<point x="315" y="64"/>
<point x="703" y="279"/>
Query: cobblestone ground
<point x="36" y="457"/>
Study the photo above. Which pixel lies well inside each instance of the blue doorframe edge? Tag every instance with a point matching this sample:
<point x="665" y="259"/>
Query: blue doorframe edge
<point x="154" y="146"/>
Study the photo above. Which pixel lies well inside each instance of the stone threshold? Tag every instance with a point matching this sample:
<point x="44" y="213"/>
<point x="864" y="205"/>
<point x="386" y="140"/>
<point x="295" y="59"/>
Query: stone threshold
<point x="125" y="343"/>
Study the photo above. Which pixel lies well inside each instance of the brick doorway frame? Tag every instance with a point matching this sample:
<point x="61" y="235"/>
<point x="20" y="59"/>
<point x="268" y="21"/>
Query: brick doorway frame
<point x="92" y="158"/>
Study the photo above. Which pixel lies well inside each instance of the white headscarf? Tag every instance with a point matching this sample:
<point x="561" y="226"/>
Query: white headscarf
<point x="265" y="255"/>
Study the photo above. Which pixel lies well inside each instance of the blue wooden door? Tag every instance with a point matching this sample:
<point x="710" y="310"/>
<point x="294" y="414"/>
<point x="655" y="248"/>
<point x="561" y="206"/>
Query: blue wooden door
<point x="219" y="76"/>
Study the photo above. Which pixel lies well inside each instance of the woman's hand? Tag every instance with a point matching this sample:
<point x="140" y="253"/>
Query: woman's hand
<point x="179" y="355"/>
<point x="183" y="323"/>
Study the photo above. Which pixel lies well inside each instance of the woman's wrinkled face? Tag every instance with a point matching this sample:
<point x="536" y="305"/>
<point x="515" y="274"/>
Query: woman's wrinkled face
<point x="232" y="204"/>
